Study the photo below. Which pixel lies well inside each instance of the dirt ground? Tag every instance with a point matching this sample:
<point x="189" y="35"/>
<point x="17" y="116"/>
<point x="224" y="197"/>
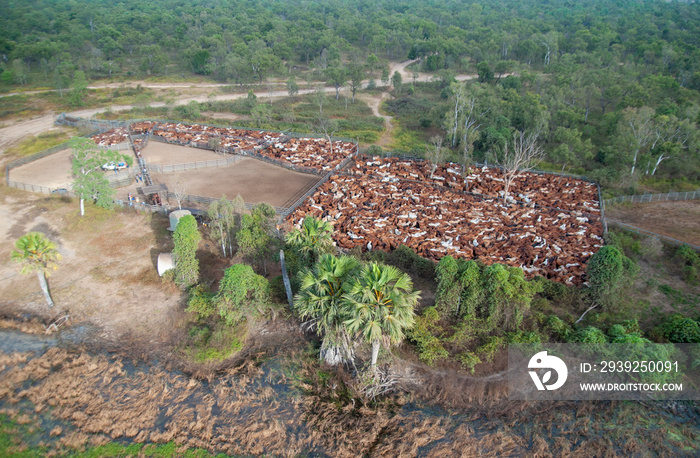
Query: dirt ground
<point x="107" y="276"/>
<point x="167" y="154"/>
<point x="678" y="220"/>
<point x="53" y="171"/>
<point x="256" y="181"/>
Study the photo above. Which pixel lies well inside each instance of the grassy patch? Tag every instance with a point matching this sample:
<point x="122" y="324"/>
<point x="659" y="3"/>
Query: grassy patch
<point x="15" y="439"/>
<point x="40" y="142"/>
<point x="93" y="221"/>
<point x="682" y="301"/>
<point x="214" y="342"/>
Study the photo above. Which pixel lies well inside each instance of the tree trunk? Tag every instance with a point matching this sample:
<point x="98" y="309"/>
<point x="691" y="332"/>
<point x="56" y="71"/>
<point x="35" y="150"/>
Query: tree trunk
<point x="82" y="207"/>
<point x="375" y="353"/>
<point x="44" y="287"/>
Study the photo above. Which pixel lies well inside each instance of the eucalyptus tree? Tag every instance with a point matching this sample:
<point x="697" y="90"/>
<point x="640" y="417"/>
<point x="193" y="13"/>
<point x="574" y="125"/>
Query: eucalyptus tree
<point x="90" y="181"/>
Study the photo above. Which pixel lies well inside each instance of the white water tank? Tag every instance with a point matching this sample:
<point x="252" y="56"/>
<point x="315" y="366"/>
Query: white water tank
<point x="175" y="217"/>
<point x="165" y="263"/>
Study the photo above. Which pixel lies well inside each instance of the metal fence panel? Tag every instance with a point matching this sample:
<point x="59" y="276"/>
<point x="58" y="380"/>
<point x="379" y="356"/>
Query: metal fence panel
<point x="646" y="198"/>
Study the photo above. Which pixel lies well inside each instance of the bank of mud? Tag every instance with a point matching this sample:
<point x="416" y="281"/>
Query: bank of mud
<point x="283" y="403"/>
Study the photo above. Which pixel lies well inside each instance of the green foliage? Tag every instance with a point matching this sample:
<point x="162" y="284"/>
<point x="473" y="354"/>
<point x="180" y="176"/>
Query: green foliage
<point x="254" y="238"/>
<point x="447" y="297"/>
<point x="375" y="150"/>
<point x="426" y="334"/>
<point x="525" y="337"/>
<point x="200" y="302"/>
<point x="589" y="334"/>
<point x="620" y="334"/>
<point x="243" y="295"/>
<point x="320" y="297"/>
<point x="497" y="294"/>
<point x="691" y="263"/>
<point x="626" y="243"/>
<point x="225" y="217"/>
<point x="36" y="252"/>
<point x="79" y="90"/>
<point x="407" y="259"/>
<point x="186" y="239"/>
<point x="381" y="301"/>
<point x="189" y="111"/>
<point x="90" y="181"/>
<point x="557" y="328"/>
<point x="680" y="329"/>
<point x="469" y="360"/>
<point x="314" y="238"/>
<point x="609" y="271"/>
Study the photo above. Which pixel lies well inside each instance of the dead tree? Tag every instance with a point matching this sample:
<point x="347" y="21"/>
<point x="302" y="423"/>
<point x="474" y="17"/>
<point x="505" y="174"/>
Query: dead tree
<point x="435" y="154"/>
<point x="179" y="190"/>
<point x="518" y="157"/>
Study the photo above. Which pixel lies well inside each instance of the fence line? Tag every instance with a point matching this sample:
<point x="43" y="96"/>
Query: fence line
<point x="644" y="232"/>
<point x="158" y="168"/>
<point x="209" y="200"/>
<point x="306" y="195"/>
<point x="642" y="198"/>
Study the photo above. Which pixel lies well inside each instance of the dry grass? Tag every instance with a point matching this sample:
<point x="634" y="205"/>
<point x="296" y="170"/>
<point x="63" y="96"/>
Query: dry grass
<point x="236" y="413"/>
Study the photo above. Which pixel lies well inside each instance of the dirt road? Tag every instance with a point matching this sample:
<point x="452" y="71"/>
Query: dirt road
<point x="15" y="132"/>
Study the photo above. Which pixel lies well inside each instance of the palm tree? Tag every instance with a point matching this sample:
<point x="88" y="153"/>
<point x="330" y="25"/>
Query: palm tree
<point x="313" y="239"/>
<point x="37" y="253"/>
<point x="382" y="301"/>
<point x="320" y="299"/>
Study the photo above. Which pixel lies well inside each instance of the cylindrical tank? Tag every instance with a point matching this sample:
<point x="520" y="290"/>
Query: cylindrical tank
<point x="175" y="217"/>
<point x="165" y="263"/>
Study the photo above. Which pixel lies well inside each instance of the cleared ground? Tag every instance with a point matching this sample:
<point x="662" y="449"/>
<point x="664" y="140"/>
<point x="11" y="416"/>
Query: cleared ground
<point x="168" y="154"/>
<point x="678" y="220"/>
<point x="52" y="171"/>
<point x="254" y="180"/>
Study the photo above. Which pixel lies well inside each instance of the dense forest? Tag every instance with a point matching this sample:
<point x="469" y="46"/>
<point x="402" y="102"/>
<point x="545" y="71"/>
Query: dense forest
<point x="610" y="87"/>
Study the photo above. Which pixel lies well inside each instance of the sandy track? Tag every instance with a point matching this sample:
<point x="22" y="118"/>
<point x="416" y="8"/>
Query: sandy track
<point x="9" y="135"/>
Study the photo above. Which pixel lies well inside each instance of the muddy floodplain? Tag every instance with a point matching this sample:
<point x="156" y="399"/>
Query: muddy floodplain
<point x="279" y="405"/>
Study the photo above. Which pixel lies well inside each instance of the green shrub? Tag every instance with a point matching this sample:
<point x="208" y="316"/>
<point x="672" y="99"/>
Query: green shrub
<point x="375" y="150"/>
<point x="557" y="328"/>
<point x="200" y="302"/>
<point x="407" y="260"/>
<point x="243" y="294"/>
<point x="620" y="334"/>
<point x="468" y="360"/>
<point x="691" y="264"/>
<point x="589" y="334"/>
<point x="426" y="334"/>
<point x="680" y="329"/>
<point x="522" y="337"/>
<point x="609" y="272"/>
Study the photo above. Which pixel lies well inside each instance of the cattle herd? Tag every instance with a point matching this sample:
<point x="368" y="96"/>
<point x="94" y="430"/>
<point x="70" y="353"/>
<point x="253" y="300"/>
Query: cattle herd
<point x="551" y="229"/>
<point x="315" y="155"/>
<point x="548" y="225"/>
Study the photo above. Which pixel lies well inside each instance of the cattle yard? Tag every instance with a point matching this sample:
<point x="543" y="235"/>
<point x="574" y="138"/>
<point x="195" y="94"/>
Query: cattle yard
<point x="548" y="225"/>
<point x="551" y="229"/>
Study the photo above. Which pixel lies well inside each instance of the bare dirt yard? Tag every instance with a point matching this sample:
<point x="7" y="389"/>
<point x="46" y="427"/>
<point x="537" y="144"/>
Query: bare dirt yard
<point x="107" y="277"/>
<point x="168" y="154"/>
<point x="678" y="220"/>
<point x="53" y="171"/>
<point x="256" y="181"/>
